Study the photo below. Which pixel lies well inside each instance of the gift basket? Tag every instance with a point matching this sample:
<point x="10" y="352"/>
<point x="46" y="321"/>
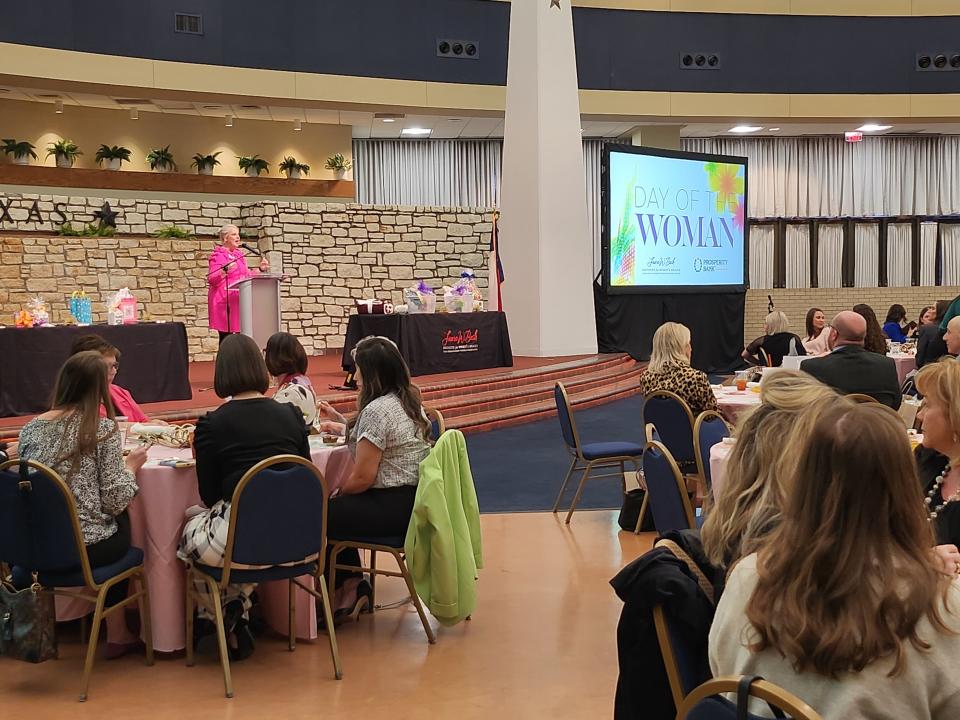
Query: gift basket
<point x="37" y="308"/>
<point x="458" y="299"/>
<point x="421" y="298"/>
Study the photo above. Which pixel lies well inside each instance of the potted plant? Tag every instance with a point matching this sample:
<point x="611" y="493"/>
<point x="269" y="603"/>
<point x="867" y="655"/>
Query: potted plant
<point x="253" y="165"/>
<point x="205" y="163"/>
<point x="294" y="169"/>
<point x="65" y="151"/>
<point x="21" y="151"/>
<point x="112" y="156"/>
<point x="339" y="164"/>
<point x="161" y="159"/>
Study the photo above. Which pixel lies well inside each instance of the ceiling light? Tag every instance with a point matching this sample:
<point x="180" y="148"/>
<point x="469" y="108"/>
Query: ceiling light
<point x="58" y="107"/>
<point x="229" y="121"/>
<point x="745" y="129"/>
<point x="873" y="127"/>
<point x="134" y="114"/>
<point x="773" y="129"/>
<point x="297" y="125"/>
<point x="416" y="131"/>
<point x="388" y="119"/>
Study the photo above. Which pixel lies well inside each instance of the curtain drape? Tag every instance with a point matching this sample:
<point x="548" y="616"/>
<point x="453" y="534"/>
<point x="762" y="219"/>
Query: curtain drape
<point x="867" y="252"/>
<point x="928" y="253"/>
<point x="762" y="238"/>
<point x="827" y="177"/>
<point x="451" y="173"/>
<point x="899" y="252"/>
<point x="950" y="239"/>
<point x="592" y="148"/>
<point x="798" y="255"/>
<point x="830" y="255"/>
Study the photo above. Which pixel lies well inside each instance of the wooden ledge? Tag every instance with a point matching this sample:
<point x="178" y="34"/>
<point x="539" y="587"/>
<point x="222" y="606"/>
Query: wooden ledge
<point x="42" y="176"/>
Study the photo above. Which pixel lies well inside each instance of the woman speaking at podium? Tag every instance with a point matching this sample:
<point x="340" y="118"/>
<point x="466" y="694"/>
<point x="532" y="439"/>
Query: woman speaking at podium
<point x="228" y="265"/>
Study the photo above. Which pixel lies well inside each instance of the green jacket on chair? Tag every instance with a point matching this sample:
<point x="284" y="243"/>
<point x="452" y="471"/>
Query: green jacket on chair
<point x="442" y="547"/>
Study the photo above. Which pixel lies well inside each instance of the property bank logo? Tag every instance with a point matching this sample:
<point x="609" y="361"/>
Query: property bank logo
<point x="697" y="265"/>
<point x="707" y="265"/>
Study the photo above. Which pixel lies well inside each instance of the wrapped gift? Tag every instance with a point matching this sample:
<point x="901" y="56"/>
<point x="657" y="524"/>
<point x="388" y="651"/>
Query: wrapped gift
<point x="81" y="309"/>
<point x="37" y="308"/>
<point x="370" y="307"/>
<point x="468" y="281"/>
<point x="23" y="319"/>
<point x="458" y="299"/>
<point x="122" y="308"/>
<point x="421" y="298"/>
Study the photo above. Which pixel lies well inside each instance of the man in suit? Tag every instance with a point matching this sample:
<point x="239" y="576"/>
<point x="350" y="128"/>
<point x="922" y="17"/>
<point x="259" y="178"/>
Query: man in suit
<point x="851" y="369"/>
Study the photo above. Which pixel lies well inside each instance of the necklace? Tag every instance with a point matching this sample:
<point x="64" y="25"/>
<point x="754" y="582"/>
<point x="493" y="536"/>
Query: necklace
<point x="928" y="500"/>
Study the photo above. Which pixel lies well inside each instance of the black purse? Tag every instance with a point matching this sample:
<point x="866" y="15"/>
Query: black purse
<point x="630" y="511"/>
<point x="27" y="623"/>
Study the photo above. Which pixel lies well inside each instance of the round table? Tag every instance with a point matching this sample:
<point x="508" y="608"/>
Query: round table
<point x="906" y="364"/>
<point x="733" y="402"/>
<point x="156" y="523"/>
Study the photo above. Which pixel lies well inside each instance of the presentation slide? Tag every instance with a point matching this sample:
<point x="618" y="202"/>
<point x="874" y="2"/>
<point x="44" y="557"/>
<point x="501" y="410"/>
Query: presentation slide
<point x="675" y="221"/>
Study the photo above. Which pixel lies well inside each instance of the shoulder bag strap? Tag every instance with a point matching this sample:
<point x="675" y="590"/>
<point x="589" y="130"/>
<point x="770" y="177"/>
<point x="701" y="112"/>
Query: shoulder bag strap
<point x="691" y="565"/>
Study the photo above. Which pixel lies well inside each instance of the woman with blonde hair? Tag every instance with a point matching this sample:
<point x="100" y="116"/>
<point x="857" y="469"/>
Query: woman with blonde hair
<point x="778" y="341"/>
<point x="746" y="507"/>
<point x="669" y="369"/>
<point x="844" y="605"/>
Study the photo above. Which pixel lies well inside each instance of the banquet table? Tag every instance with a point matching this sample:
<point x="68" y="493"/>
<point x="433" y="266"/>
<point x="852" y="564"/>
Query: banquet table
<point x="156" y="520"/>
<point x="154" y="365"/>
<point x="733" y="402"/>
<point x="906" y="364"/>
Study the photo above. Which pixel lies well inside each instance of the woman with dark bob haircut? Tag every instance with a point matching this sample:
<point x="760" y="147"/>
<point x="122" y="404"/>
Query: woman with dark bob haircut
<point x="287" y="362"/>
<point x="229" y="441"/>
<point x="388" y="438"/>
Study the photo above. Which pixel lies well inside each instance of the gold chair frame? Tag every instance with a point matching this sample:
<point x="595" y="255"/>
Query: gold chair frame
<point x="93" y="592"/>
<point x="762" y="689"/>
<point x="434" y="415"/>
<point x="193" y="598"/>
<point x="681" y="487"/>
<point x="580" y="463"/>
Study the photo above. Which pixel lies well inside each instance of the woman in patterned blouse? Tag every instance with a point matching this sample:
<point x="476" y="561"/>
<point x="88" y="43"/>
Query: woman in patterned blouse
<point x="85" y="450"/>
<point x="669" y="369"/>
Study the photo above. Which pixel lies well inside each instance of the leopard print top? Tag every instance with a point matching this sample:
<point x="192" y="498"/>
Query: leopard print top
<point x="690" y="384"/>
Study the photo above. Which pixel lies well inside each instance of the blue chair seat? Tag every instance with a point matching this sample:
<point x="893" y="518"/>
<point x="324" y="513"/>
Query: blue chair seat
<point x="276" y="572"/>
<point x="74" y="576"/>
<point x="396" y="542"/>
<point x="600" y="450"/>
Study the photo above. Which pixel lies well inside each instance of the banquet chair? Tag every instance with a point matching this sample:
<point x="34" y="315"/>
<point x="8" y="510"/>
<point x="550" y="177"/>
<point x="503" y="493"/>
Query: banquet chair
<point x="666" y="490"/>
<point x="673" y="420"/>
<point x="40" y="533"/>
<point x="437" y="424"/>
<point x="589" y="456"/>
<point x="709" y="429"/>
<point x="706" y="703"/>
<point x="285" y="531"/>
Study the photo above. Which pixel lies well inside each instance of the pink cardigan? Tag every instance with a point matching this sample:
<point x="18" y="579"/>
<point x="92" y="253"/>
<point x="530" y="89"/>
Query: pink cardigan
<point x="217" y="290"/>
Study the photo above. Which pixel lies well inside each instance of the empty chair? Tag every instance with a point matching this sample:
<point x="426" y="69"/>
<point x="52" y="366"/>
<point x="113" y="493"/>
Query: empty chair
<point x="705" y="702"/>
<point x="673" y="420"/>
<point x="666" y="490"/>
<point x="709" y="429"/>
<point x="590" y="456"/>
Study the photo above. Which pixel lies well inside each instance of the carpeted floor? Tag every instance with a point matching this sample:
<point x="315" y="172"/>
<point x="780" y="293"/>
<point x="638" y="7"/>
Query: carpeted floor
<point x="519" y="469"/>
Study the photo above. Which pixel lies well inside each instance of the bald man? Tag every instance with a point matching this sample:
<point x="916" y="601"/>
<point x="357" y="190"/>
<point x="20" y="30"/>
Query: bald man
<point x="851" y="369"/>
<point x="952" y="336"/>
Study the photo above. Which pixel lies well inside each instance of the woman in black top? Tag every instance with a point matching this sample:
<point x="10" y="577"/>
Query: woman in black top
<point x="250" y="427"/>
<point x="930" y="344"/>
<point x="777" y="343"/>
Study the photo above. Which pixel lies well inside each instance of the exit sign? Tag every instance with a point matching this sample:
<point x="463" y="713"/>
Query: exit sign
<point x="853" y="136"/>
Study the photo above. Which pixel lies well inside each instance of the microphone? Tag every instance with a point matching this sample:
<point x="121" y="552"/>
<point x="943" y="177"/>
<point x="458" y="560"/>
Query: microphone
<point x="251" y="249"/>
<point x="769" y="304"/>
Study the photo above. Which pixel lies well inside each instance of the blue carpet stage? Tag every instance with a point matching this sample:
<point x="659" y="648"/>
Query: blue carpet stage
<point x="519" y="469"/>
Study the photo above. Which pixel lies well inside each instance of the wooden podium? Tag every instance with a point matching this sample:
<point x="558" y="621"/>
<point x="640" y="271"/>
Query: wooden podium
<point x="260" y="306"/>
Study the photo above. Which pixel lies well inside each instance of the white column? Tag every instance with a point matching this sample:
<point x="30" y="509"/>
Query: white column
<point x="547" y="262"/>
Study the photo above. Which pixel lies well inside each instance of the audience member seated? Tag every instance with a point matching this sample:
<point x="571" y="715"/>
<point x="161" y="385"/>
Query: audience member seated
<point x="874" y="339"/>
<point x="849" y="368"/>
<point x="815" y="342"/>
<point x="844" y="605"/>
<point x="85" y="449"/>
<point x="746" y="506"/>
<point x="930" y="344"/>
<point x="287" y="362"/>
<point x="388" y="438"/>
<point x="669" y="369"/>
<point x="928" y="315"/>
<point x="123" y="402"/>
<point x="777" y="342"/>
<point x="229" y="441"/>
<point x="951" y="338"/>
<point x="896" y="326"/>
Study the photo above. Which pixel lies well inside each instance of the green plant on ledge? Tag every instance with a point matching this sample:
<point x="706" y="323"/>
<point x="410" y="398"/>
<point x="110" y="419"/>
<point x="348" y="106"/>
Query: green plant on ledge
<point x="293" y="169"/>
<point x="161" y="159"/>
<point x="65" y="151"/>
<point x="21" y="150"/>
<point x="172" y="231"/>
<point x="113" y="156"/>
<point x="91" y="230"/>
<point x="205" y="163"/>
<point x="338" y="163"/>
<point x="253" y="165"/>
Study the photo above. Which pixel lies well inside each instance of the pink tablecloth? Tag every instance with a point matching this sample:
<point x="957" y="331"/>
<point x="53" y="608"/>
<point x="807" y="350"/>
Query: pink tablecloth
<point x="733" y="402"/>
<point x="718" y="467"/>
<point x="156" y="520"/>
<point x="906" y="364"/>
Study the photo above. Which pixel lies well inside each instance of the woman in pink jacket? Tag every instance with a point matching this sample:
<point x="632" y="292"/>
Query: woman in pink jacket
<point x="221" y="274"/>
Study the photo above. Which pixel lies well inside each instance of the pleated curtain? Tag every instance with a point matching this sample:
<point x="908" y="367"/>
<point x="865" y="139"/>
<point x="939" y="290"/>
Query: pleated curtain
<point x="592" y="148"/>
<point x="798" y="255"/>
<point x="867" y="252"/>
<point x="899" y="251"/>
<point x="830" y="255"/>
<point x="950" y="239"/>
<point x="762" y="238"/>
<point x="928" y="253"/>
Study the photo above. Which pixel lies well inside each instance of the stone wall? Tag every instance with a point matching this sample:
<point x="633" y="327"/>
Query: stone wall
<point x="333" y="253"/>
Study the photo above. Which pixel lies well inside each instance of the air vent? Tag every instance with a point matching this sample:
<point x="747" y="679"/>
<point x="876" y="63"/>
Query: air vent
<point x="132" y="101"/>
<point x="190" y="24"/>
<point x="461" y="49"/>
<point x="699" y="61"/>
<point x="49" y="96"/>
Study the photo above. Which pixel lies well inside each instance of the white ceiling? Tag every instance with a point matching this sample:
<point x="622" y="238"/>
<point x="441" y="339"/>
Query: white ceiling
<point x="366" y="125"/>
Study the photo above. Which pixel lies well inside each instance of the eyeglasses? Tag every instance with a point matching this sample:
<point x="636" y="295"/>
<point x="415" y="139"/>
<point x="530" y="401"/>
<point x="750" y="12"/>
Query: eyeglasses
<point x="113" y="366"/>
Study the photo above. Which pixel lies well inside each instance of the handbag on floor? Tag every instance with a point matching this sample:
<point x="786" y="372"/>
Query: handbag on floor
<point x="630" y="511"/>
<point x="27" y="623"/>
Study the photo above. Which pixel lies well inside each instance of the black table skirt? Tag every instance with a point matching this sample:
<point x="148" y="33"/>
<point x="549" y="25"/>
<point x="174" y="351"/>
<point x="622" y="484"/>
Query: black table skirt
<point x="437" y="343"/>
<point x="153" y="365"/>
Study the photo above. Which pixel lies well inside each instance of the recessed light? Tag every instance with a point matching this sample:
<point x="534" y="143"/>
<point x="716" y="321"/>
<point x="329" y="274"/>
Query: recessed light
<point x="773" y="129"/>
<point x="873" y="127"/>
<point x="297" y="125"/>
<point x="746" y="129"/>
<point x="388" y="119"/>
<point x="134" y="114"/>
<point x="229" y="121"/>
<point x="58" y="107"/>
<point x="416" y="131"/>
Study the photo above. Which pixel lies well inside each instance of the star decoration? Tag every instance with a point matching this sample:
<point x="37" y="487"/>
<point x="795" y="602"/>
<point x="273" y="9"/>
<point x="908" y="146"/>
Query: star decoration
<point x="106" y="216"/>
<point x="555" y="4"/>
